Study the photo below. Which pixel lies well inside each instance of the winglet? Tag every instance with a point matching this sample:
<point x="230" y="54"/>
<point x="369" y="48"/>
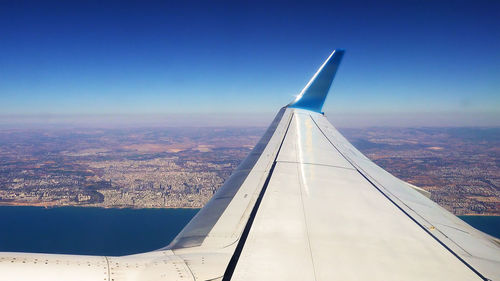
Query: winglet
<point x="314" y="93"/>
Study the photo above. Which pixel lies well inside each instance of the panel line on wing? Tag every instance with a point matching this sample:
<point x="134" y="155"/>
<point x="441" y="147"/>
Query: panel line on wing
<point x="107" y="266"/>
<point x="316" y="164"/>
<point x="300" y="155"/>
<point x="303" y="187"/>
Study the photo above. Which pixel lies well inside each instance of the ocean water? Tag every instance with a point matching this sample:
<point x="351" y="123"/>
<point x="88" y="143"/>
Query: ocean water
<point x="97" y="231"/>
<point x="90" y="231"/>
<point x="487" y="224"/>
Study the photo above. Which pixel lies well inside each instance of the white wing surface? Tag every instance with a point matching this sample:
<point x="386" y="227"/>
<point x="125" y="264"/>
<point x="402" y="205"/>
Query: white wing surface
<point x="304" y="205"/>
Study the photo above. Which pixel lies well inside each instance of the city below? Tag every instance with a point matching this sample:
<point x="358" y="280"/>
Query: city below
<point x="183" y="167"/>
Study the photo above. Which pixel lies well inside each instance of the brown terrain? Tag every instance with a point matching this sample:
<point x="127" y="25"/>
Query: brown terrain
<point x="183" y="167"/>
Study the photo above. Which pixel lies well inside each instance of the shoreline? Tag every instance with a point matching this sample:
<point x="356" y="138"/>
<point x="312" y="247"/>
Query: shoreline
<point x="479" y="215"/>
<point x="48" y="205"/>
<point x="51" y="206"/>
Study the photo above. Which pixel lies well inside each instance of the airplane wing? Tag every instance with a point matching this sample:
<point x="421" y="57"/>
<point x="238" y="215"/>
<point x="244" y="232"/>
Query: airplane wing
<point x="304" y="205"/>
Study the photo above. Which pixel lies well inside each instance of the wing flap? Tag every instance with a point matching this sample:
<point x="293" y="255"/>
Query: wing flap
<point x="419" y="189"/>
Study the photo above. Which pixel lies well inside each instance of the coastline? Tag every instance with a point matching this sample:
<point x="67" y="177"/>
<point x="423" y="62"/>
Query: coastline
<point x="56" y="205"/>
<point x="50" y="206"/>
<point x="479" y="215"/>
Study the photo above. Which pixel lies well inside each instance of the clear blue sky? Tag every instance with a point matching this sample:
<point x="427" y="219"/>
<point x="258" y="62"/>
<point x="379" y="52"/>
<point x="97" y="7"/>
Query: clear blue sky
<point x="147" y="57"/>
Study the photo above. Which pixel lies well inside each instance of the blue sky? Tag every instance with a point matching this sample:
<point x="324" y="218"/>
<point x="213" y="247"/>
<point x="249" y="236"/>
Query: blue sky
<point x="411" y="59"/>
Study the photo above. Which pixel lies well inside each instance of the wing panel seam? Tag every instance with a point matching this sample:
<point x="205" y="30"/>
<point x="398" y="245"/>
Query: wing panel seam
<point x="316" y="164"/>
<point x="302" y="186"/>
<point x="107" y="266"/>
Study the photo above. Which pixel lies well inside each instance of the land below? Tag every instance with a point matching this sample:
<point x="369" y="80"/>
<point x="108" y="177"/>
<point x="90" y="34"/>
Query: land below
<point x="183" y="167"/>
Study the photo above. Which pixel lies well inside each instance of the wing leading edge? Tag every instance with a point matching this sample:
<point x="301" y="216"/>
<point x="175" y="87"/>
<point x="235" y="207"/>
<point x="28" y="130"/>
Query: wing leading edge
<point x="304" y="205"/>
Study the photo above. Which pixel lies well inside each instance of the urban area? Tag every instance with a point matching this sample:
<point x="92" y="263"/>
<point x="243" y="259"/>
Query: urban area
<point x="183" y="167"/>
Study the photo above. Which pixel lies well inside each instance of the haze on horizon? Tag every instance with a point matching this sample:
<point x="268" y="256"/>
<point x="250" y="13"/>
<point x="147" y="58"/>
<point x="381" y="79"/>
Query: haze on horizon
<point x="408" y="63"/>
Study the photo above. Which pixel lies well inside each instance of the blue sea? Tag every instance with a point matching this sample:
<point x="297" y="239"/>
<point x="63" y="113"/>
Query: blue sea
<point x="487" y="224"/>
<point x="97" y="231"/>
<point x="89" y="231"/>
